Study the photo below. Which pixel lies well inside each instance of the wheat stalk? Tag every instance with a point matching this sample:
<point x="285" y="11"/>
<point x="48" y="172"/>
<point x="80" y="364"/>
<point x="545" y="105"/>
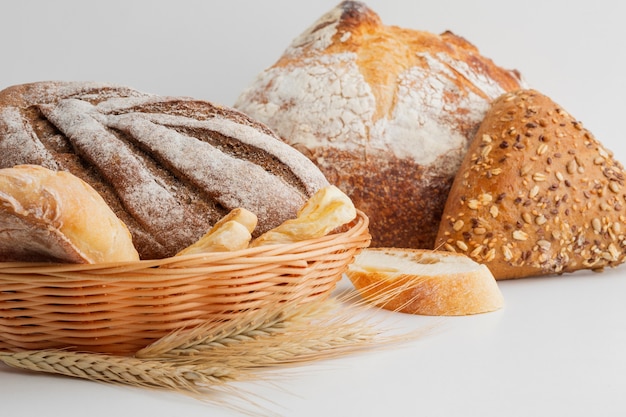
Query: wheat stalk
<point x="218" y="333"/>
<point x="199" y="380"/>
<point x="316" y="330"/>
<point x="258" y="324"/>
<point x="120" y="369"/>
<point x="207" y="358"/>
<point x="218" y="352"/>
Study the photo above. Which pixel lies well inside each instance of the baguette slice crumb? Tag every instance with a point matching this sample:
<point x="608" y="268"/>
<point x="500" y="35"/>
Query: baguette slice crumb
<point x="425" y="282"/>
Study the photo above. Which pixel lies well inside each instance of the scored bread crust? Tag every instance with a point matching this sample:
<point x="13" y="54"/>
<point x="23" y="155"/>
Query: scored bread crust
<point x="169" y="167"/>
<point x="48" y="216"/>
<point x="385" y="112"/>
<point x="424" y="282"/>
<point x="537" y="194"/>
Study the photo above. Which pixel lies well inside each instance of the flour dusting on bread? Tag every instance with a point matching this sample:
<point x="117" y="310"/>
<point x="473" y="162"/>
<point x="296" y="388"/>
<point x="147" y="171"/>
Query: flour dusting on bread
<point x="385" y="112"/>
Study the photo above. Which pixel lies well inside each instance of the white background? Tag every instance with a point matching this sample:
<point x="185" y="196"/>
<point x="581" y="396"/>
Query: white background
<point x="558" y="348"/>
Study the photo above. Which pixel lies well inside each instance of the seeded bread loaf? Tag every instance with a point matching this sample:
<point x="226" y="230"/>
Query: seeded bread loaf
<point x="536" y="194"/>
<point x="169" y="167"/>
<point x="385" y="112"/>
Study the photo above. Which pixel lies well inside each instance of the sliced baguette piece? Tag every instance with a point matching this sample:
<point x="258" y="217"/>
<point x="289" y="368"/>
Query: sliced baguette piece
<point x="425" y="282"/>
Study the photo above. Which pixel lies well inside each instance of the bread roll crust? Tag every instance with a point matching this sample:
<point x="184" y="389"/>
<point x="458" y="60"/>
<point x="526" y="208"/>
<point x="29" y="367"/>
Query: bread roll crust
<point x="385" y="112"/>
<point x="536" y="194"/>
<point x="48" y="216"/>
<point x="169" y="167"/>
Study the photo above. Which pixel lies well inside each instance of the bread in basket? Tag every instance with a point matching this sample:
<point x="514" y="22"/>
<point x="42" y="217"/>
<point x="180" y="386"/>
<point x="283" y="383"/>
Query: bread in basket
<point x="121" y="307"/>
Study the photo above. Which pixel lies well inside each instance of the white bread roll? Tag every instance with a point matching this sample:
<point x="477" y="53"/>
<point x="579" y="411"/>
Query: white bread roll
<point x="434" y="283"/>
<point x="55" y="216"/>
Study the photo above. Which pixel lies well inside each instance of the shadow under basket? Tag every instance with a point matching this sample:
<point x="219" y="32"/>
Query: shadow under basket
<point x="120" y="308"/>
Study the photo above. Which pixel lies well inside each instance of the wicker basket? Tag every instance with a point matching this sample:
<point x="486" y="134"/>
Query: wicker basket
<point x="121" y="308"/>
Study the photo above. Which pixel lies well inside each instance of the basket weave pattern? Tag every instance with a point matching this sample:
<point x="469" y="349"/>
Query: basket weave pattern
<point x="121" y="308"/>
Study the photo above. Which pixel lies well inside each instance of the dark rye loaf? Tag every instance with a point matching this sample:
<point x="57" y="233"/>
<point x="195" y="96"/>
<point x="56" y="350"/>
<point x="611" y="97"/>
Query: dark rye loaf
<point x="169" y="167"/>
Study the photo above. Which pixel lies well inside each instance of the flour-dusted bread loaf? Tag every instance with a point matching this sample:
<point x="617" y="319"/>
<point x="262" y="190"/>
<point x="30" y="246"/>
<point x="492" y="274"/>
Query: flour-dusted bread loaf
<point x="385" y="112"/>
<point x="169" y="167"/>
<point x="537" y="194"/>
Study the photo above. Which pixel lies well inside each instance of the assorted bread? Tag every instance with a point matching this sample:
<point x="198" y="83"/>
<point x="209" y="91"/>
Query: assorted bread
<point x="385" y="112"/>
<point x="466" y="175"/>
<point x="418" y="281"/>
<point x="169" y="167"/>
<point x="54" y="216"/>
<point x="325" y="212"/>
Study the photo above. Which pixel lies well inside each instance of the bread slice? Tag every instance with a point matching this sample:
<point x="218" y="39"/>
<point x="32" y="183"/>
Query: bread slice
<point x="536" y="194"/>
<point x="49" y="216"/>
<point x="425" y="282"/>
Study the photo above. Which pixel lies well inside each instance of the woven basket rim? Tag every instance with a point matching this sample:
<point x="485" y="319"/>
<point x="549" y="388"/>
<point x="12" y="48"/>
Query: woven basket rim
<point x="275" y="253"/>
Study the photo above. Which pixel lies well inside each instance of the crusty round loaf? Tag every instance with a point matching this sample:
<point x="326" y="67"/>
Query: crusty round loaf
<point x="169" y="167"/>
<point x="433" y="283"/>
<point x="385" y="112"/>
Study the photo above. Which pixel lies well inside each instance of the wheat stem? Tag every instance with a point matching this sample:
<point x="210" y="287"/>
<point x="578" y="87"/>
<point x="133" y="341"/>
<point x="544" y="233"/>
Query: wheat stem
<point x="207" y="358"/>
<point x="215" y="334"/>
<point x="252" y="325"/>
<point x="122" y="370"/>
<point x="308" y="332"/>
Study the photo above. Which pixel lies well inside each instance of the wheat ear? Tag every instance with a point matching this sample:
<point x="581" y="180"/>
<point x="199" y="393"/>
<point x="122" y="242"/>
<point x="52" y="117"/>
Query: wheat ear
<point x="300" y="333"/>
<point x="207" y="358"/>
<point x="121" y="370"/>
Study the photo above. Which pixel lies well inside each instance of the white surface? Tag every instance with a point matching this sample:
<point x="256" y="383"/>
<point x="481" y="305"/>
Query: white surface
<point x="556" y="349"/>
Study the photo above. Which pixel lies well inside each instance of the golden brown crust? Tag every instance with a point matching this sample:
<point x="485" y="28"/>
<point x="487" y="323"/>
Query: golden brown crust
<point x="424" y="282"/>
<point x="385" y="112"/>
<point x="55" y="216"/>
<point x="327" y="210"/>
<point x="232" y="232"/>
<point x="536" y="194"/>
